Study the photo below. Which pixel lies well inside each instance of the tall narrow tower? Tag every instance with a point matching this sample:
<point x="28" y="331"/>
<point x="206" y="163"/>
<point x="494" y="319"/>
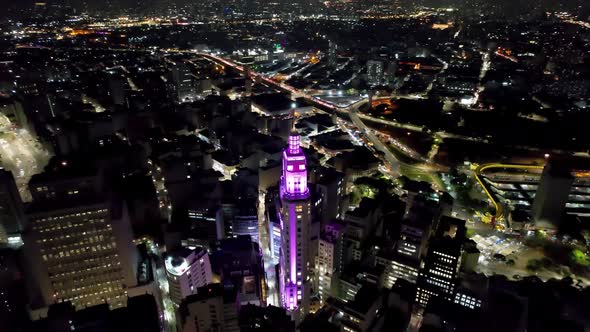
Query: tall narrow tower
<point x="295" y="224"/>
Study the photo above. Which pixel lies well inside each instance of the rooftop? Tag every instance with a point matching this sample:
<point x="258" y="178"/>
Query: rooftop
<point x="274" y="102"/>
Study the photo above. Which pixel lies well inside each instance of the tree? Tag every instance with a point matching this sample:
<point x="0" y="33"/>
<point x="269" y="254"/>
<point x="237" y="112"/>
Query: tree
<point x="534" y="265"/>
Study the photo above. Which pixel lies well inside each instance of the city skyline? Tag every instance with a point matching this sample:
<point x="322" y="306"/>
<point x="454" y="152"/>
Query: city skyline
<point x="355" y="166"/>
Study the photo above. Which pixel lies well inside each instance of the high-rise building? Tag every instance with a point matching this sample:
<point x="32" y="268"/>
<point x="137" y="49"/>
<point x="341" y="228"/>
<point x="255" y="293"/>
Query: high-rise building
<point x="274" y="231"/>
<point x="182" y="80"/>
<point x="439" y="274"/>
<point x="206" y="224"/>
<point x="245" y="220"/>
<point x="295" y="206"/>
<point x="332" y="54"/>
<point x="11" y="206"/>
<point x="329" y="259"/>
<point x="242" y="267"/>
<point x="78" y="242"/>
<point x="397" y="267"/>
<point x="186" y="271"/>
<point x="140" y="314"/>
<point x="552" y="196"/>
<point x="13" y="305"/>
<point x="375" y="70"/>
<point x="116" y="88"/>
<point x="213" y="308"/>
<point x="254" y="318"/>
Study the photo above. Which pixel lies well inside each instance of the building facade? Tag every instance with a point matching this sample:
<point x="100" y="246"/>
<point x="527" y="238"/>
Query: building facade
<point x="186" y="271"/>
<point x="11" y="206"/>
<point x="295" y="260"/>
<point x="82" y="254"/>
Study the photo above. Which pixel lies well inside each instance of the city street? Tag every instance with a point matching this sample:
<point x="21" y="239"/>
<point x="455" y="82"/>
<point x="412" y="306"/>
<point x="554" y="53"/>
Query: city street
<point x="272" y="295"/>
<point x="22" y="154"/>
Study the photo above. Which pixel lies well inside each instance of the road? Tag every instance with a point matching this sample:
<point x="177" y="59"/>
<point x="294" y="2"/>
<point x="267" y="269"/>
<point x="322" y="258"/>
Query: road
<point x="501" y="212"/>
<point x="22" y="154"/>
<point x="392" y="161"/>
<point x="168" y="316"/>
<point x="272" y="294"/>
<point x="389" y="157"/>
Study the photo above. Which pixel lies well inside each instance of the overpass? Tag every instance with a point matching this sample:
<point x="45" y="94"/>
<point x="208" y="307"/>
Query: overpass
<point x="501" y="211"/>
<point x="350" y="111"/>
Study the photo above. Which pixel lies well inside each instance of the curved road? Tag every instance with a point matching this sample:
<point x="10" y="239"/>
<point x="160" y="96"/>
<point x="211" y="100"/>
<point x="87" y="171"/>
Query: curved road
<point x="500" y="209"/>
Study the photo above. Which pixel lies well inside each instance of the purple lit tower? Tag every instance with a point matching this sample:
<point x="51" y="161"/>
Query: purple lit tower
<point x="295" y="224"/>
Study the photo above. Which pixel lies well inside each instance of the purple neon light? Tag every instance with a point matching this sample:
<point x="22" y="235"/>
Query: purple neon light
<point x="293" y="243"/>
<point x="291" y="297"/>
<point x="294" y="180"/>
<point x="294" y="144"/>
<point x="293" y="187"/>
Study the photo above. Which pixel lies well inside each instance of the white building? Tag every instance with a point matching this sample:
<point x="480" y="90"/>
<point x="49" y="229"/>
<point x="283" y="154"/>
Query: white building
<point x="325" y="267"/>
<point x="187" y="270"/>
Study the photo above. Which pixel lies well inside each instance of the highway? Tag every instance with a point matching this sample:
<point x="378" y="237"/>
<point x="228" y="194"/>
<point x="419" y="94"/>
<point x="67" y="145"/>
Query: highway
<point x="352" y="111"/>
<point x="394" y="163"/>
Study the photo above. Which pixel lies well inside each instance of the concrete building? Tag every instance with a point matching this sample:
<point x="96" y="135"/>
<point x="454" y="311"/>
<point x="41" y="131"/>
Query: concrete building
<point x="295" y="210"/>
<point x="439" y="275"/>
<point x="242" y="267"/>
<point x="371" y="309"/>
<point x="207" y="223"/>
<point x="255" y="318"/>
<point x="375" y="71"/>
<point x="186" y="271"/>
<point x="329" y="259"/>
<point x="245" y="220"/>
<point x="552" y="196"/>
<point x="397" y="267"/>
<point x="12" y="217"/>
<point x="182" y="82"/>
<point x="78" y="242"/>
<point x="211" y="309"/>
<point x="140" y="314"/>
<point x="332" y="54"/>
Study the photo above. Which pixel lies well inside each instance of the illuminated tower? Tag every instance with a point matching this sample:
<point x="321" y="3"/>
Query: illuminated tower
<point x="295" y="224"/>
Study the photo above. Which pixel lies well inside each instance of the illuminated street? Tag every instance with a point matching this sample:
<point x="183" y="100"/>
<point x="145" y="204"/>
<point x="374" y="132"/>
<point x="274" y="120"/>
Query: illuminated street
<point x="272" y="295"/>
<point x="295" y="166"/>
<point x="22" y="154"/>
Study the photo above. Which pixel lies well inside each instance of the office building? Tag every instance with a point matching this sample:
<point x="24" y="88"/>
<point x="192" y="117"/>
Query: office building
<point x="213" y="308"/>
<point x="242" y="268"/>
<point x="254" y="318"/>
<point x="397" y="267"/>
<point x="332" y="54"/>
<point x="274" y="230"/>
<point x="182" y="80"/>
<point x="11" y="206"/>
<point x="329" y="258"/>
<point x="439" y="274"/>
<point x="186" y="271"/>
<point x="245" y="220"/>
<point x="78" y="243"/>
<point x="140" y="314"/>
<point x="206" y="224"/>
<point x="375" y="70"/>
<point x="552" y="196"/>
<point x="413" y="239"/>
